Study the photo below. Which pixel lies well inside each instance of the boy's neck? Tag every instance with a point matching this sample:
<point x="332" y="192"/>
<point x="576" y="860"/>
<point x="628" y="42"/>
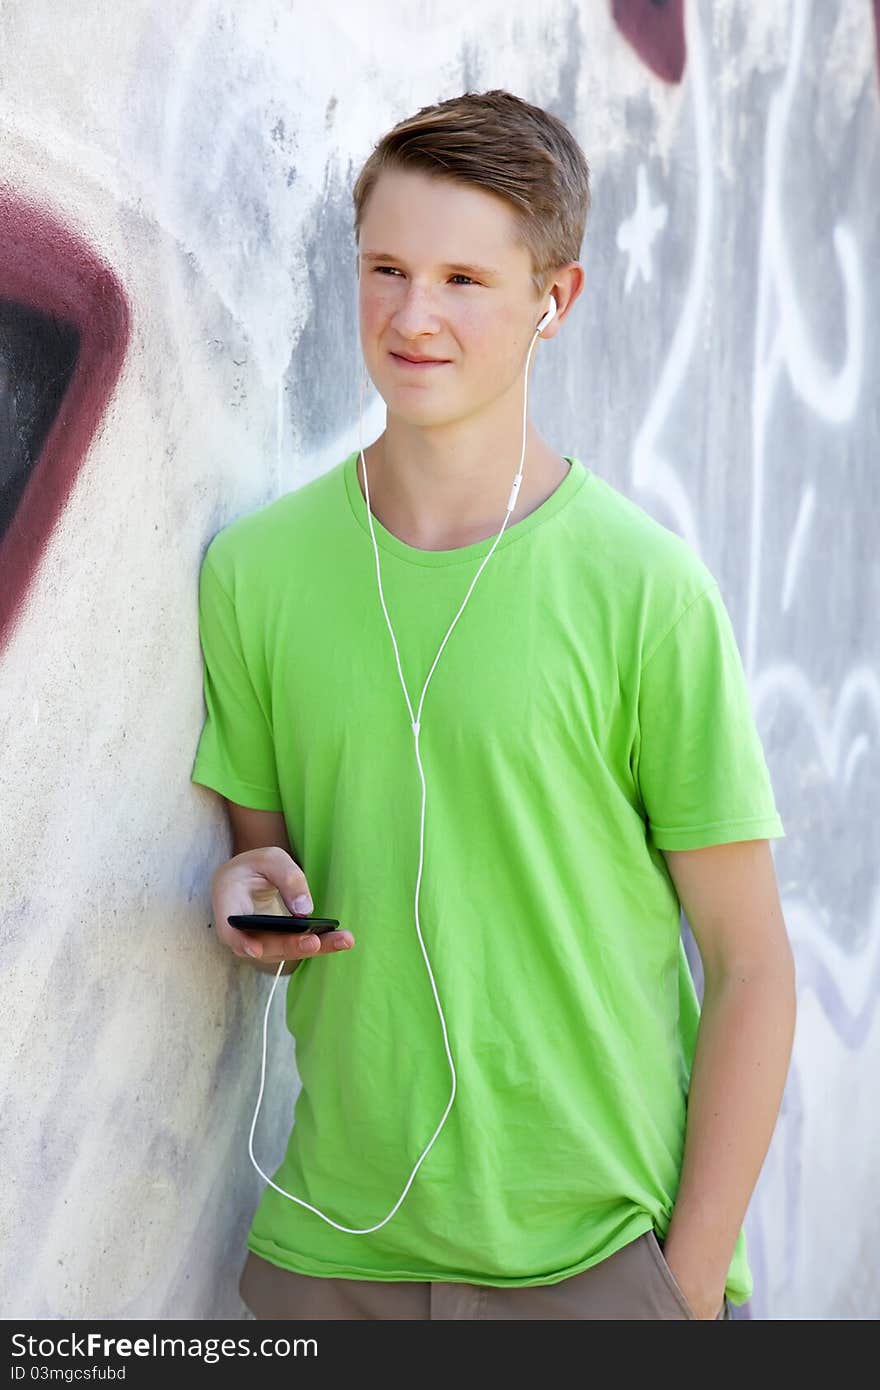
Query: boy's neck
<point x="435" y="504"/>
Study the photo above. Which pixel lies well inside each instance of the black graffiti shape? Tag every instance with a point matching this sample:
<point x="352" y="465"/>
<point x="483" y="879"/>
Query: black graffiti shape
<point x="38" y="355"/>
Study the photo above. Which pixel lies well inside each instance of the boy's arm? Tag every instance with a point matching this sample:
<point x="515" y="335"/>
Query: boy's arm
<point x="253" y="830"/>
<point x="744" y="1044"/>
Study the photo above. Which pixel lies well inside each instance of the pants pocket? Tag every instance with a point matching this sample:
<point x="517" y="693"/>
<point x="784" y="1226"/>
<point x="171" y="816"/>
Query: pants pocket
<point x="668" y="1277"/>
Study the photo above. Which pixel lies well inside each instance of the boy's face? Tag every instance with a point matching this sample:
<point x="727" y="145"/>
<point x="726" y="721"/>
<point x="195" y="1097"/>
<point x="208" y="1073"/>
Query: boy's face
<point x="414" y="230"/>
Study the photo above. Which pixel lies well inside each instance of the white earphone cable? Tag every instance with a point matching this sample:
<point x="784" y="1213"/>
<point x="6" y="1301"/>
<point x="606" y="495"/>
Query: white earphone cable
<point x="416" y="728"/>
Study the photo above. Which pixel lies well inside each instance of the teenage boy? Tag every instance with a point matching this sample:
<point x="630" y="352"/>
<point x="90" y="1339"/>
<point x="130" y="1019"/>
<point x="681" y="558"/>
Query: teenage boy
<point x="591" y="766"/>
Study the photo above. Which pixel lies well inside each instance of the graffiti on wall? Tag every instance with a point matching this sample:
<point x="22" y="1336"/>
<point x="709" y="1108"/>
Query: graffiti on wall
<point x="269" y="127"/>
<point x="64" y="328"/>
<point x="787" y="356"/>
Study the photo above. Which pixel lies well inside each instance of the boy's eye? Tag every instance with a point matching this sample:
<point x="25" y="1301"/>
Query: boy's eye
<point x="394" y="271"/>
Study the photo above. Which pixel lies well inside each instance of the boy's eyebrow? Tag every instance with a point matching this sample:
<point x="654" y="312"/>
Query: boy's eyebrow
<point x="485" y="270"/>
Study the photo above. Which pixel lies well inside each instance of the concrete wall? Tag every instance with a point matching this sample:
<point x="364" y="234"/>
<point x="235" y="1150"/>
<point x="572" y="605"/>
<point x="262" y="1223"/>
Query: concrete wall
<point x="176" y="213"/>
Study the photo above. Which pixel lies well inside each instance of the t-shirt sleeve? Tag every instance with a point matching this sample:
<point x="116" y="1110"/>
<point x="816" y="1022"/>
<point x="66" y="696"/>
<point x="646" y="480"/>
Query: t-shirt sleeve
<point x="702" y="775"/>
<point x="236" y="752"/>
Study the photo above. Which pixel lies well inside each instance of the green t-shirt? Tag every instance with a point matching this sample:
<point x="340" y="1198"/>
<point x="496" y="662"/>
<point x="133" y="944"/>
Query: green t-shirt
<point x="589" y="709"/>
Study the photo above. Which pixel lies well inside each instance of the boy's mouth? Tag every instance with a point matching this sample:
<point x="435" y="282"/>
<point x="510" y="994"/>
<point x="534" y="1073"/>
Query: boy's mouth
<point x="419" y="362"/>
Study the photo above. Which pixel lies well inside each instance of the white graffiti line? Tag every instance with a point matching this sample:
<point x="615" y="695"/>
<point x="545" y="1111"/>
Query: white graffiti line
<point x="858" y="750"/>
<point x="842" y="738"/>
<point x="783" y="682"/>
<point x="797" y="546"/>
<point x="785" y="342"/>
<point x="845" y="984"/>
<point x="652" y="473"/>
<point x="832" y="395"/>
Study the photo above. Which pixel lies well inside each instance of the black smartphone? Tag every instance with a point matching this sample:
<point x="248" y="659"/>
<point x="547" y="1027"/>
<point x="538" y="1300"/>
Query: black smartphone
<point x="258" y="921"/>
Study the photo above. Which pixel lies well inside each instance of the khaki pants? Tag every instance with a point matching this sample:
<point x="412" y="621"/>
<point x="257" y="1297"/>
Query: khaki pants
<point x="634" y="1282"/>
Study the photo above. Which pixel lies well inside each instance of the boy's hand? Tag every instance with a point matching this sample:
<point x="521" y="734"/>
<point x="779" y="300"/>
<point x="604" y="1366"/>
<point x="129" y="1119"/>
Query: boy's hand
<point x="704" y="1292"/>
<point x="256" y="881"/>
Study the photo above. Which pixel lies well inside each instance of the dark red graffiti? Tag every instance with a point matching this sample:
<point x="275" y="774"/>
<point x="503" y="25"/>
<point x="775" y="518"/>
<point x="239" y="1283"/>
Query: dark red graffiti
<point x="655" y="29"/>
<point x="64" y="329"/>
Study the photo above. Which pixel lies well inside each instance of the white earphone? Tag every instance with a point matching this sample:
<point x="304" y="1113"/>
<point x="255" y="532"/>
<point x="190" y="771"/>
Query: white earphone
<point x="550" y="314"/>
<point x="415" y="723"/>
